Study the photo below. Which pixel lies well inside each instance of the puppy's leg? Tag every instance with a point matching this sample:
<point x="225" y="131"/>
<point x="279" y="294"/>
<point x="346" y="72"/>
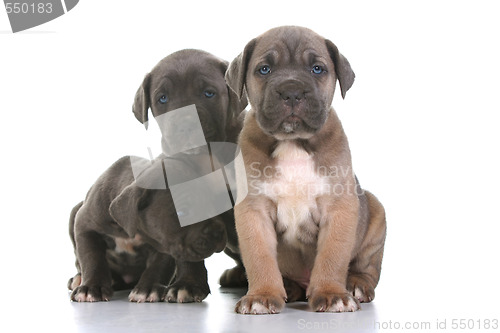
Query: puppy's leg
<point x="190" y="283"/>
<point x="236" y="276"/>
<point x="336" y="239"/>
<point x="257" y="237"/>
<point x="153" y="283"/>
<point x="77" y="279"/>
<point x="95" y="274"/>
<point x="364" y="270"/>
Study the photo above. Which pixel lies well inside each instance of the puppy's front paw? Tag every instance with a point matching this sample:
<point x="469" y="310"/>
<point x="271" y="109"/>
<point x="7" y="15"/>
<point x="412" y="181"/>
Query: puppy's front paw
<point x="91" y="294"/>
<point x="141" y="294"/>
<point x="260" y="304"/>
<point x="361" y="287"/>
<point x="187" y="292"/>
<point x="333" y="302"/>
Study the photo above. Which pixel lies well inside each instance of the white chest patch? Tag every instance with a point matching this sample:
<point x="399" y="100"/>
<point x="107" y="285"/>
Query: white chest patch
<point x="127" y="244"/>
<point x="293" y="186"/>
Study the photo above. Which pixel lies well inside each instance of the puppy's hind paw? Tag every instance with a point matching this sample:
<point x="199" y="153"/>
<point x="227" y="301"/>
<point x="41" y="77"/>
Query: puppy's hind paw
<point x="260" y="304"/>
<point x="361" y="288"/>
<point x="234" y="278"/>
<point x="75" y="282"/>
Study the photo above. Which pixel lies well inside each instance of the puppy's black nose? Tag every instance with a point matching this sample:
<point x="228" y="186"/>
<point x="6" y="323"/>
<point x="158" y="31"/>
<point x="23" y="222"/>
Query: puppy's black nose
<point x="291" y="92"/>
<point x="292" y="96"/>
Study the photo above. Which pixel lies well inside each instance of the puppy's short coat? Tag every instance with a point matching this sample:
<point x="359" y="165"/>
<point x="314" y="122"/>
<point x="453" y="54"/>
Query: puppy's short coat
<point x="197" y="77"/>
<point x="127" y="236"/>
<point x="306" y="228"/>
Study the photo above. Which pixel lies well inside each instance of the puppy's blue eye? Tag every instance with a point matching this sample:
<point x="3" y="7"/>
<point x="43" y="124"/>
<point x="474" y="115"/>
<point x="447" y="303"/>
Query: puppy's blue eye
<point x="209" y="94"/>
<point x="264" y="70"/>
<point x="317" y="69"/>
<point x="163" y="99"/>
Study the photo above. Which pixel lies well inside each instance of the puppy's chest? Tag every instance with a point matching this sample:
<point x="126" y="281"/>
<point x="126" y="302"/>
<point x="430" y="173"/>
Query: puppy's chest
<point x="294" y="187"/>
<point x="128" y="246"/>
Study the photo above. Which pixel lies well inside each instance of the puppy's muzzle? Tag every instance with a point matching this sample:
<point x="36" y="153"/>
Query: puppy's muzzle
<point x="292" y="98"/>
<point x="212" y="239"/>
<point x="291" y="124"/>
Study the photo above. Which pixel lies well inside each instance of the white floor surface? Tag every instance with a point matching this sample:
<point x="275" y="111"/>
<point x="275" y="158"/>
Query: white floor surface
<point x="398" y="306"/>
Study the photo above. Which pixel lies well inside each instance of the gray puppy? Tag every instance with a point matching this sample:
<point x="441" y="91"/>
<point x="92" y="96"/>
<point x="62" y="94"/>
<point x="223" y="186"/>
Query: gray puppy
<point x="147" y="261"/>
<point x="197" y="77"/>
<point x="126" y="235"/>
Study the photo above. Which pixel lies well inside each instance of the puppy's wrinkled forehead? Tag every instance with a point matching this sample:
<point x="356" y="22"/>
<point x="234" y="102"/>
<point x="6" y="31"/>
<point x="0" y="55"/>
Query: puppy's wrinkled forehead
<point x="188" y="68"/>
<point x="190" y="78"/>
<point x="292" y="45"/>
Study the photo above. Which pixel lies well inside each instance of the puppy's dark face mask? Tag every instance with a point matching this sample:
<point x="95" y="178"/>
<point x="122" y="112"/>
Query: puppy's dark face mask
<point x="290" y="79"/>
<point x="291" y="88"/>
<point x="185" y="78"/>
<point x="189" y="243"/>
<point x="196" y="86"/>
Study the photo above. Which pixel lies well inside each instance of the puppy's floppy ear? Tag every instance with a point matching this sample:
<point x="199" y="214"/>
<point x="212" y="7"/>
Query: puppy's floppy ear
<point x="142" y="101"/>
<point x="236" y="104"/>
<point x="343" y="69"/>
<point x="236" y="73"/>
<point x="124" y="209"/>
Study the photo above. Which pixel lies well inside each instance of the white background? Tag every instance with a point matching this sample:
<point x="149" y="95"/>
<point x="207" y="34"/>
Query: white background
<point x="422" y="120"/>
